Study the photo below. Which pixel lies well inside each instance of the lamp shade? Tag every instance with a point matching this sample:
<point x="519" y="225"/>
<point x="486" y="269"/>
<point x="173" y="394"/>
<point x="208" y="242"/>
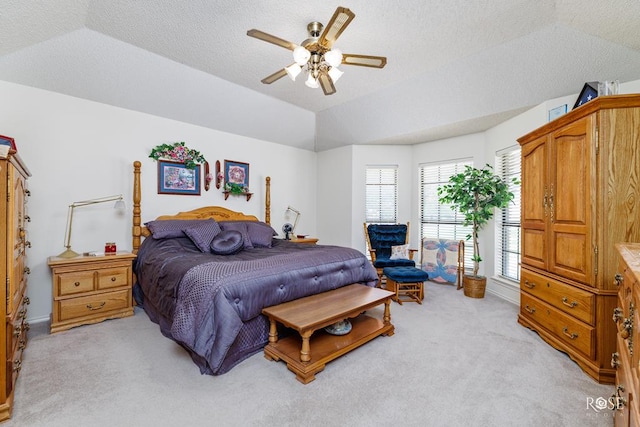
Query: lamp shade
<point x="335" y="74"/>
<point x="311" y="82"/>
<point x="301" y="55"/>
<point x="333" y="57"/>
<point x="293" y="70"/>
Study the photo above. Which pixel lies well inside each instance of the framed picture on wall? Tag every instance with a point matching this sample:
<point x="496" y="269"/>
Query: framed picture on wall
<point x="236" y="173"/>
<point x="175" y="178"/>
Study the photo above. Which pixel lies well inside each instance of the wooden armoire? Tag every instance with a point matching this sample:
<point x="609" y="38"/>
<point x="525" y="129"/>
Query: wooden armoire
<point x="13" y="267"/>
<point x="580" y="196"/>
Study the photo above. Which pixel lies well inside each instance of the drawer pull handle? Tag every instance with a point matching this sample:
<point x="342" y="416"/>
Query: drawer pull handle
<point x="27" y="270"/>
<point x="17" y="365"/>
<point x="113" y="279"/>
<point x="22" y="345"/>
<point x="572" y="335"/>
<point x="531" y="310"/>
<point x="76" y="284"/>
<point x="92" y="308"/>
<point x="17" y="331"/>
<point x="27" y="300"/>
<point x="617" y="314"/>
<point x="529" y="285"/>
<point x="565" y="301"/>
<point x="614" y="360"/>
<point x="618" y="279"/>
<point x="22" y="313"/>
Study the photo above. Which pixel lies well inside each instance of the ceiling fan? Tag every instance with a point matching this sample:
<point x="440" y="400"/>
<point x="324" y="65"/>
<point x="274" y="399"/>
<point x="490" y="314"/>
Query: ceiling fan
<point x="317" y="55"/>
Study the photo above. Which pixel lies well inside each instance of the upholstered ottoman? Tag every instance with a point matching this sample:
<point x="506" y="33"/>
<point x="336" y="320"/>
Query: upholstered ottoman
<point x="406" y="282"/>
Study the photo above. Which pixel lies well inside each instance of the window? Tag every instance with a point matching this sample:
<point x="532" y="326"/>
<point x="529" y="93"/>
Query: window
<point x="381" y="194"/>
<point x="508" y="222"/>
<point x="438" y="220"/>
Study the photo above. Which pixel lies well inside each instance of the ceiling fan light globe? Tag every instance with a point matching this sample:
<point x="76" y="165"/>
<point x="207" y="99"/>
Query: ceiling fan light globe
<point x="293" y="70"/>
<point x="335" y="74"/>
<point x="301" y="55"/>
<point x="311" y="82"/>
<point x="333" y="57"/>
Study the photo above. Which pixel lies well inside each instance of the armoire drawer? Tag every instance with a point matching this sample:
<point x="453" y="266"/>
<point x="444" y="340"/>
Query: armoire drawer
<point x="574" y="301"/>
<point x="567" y="329"/>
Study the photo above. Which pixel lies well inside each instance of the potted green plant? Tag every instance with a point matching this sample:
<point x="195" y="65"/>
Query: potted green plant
<point x="475" y="193"/>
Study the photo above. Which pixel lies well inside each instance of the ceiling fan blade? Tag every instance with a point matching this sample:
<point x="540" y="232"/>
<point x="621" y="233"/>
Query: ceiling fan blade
<point x="339" y="21"/>
<point x="271" y="39"/>
<point x="275" y="76"/>
<point x="364" y="60"/>
<point x="327" y="84"/>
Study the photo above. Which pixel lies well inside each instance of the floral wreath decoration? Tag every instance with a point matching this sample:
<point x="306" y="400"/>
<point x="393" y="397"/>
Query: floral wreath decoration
<point x="179" y="152"/>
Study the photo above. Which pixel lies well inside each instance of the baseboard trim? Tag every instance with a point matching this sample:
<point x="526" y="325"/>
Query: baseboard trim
<point x="508" y="291"/>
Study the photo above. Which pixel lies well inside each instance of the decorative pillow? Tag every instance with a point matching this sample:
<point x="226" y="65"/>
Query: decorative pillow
<point x="227" y="242"/>
<point x="171" y="228"/>
<point x="260" y="234"/>
<point x="399" y="252"/>
<point x="202" y="234"/>
<point x="240" y="226"/>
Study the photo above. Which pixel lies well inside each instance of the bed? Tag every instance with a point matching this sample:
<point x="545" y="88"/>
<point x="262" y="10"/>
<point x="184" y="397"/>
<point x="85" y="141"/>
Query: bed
<point x="208" y="298"/>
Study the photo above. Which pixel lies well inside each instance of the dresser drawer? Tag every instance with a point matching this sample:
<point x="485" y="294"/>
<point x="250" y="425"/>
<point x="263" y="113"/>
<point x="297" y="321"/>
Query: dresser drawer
<point x="75" y="283"/>
<point x="564" y="327"/>
<point x="113" y="277"/>
<point x="573" y="301"/>
<point x="17" y="327"/>
<point x="93" y="305"/>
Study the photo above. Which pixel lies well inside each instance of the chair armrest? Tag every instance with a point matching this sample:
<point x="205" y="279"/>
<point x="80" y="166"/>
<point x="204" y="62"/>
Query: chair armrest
<point x="372" y="252"/>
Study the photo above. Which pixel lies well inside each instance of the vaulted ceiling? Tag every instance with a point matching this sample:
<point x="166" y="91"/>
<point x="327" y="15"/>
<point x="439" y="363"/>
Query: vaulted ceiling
<point x="454" y="67"/>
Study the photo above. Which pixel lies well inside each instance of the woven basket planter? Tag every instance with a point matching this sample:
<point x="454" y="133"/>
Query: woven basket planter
<point x="474" y="286"/>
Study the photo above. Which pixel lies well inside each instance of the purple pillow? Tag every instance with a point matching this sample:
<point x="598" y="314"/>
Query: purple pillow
<point x="227" y="242"/>
<point x="240" y="226"/>
<point x="260" y="234"/>
<point x="171" y="228"/>
<point x="202" y="234"/>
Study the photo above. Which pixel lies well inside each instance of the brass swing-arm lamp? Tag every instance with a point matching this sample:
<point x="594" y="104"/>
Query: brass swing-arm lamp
<point x="295" y="222"/>
<point x="68" y="253"/>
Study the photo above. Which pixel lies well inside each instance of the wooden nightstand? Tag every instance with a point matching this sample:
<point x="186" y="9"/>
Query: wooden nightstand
<point x="312" y="240"/>
<point x="90" y="289"/>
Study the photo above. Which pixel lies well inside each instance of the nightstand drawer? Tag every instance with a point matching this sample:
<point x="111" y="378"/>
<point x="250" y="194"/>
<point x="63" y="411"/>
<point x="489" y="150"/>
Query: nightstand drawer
<point x="113" y="278"/>
<point x="74" y="283"/>
<point x="93" y="305"/>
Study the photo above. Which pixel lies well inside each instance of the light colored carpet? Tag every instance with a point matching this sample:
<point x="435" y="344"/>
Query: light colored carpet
<point x="453" y="361"/>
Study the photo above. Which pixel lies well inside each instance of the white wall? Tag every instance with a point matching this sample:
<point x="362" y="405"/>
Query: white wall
<point x="78" y="150"/>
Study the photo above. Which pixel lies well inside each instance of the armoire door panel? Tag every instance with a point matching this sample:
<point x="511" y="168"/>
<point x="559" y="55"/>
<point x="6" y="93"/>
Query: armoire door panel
<point x="534" y="248"/>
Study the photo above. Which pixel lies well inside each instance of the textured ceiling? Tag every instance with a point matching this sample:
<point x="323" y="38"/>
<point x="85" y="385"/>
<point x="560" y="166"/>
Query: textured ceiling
<point x="454" y="67"/>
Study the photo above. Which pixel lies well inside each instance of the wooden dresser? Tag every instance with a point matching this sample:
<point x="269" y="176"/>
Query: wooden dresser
<point x="90" y="289"/>
<point x="580" y="196"/>
<point x="14" y="270"/>
<point x="626" y="359"/>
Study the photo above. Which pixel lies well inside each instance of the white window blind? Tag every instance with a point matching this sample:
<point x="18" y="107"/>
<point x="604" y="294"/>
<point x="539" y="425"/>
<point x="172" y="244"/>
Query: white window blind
<point x="381" y="194"/>
<point x="439" y="220"/>
<point x="508" y="222"/>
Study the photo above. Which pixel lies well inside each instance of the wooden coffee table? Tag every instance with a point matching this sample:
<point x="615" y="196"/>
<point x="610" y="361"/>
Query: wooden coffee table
<point x="310" y="314"/>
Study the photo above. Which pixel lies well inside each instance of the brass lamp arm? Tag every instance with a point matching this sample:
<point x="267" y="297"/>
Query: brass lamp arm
<point x="67" y="235"/>
<point x="297" y="212"/>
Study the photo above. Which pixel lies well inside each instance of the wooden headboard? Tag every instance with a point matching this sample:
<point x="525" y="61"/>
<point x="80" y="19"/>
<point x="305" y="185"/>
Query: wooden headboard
<point x="216" y="212"/>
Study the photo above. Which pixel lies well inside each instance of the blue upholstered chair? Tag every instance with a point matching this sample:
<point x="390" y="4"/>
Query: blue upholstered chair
<point x="381" y="238"/>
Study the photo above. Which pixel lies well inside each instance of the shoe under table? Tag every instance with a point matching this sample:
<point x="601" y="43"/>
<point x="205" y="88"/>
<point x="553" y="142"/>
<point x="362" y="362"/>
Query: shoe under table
<point x="407" y="283"/>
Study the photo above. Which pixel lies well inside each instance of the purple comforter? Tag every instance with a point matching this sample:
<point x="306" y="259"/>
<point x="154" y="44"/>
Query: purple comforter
<point x="212" y="304"/>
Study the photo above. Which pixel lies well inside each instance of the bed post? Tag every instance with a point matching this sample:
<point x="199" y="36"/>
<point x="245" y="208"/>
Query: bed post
<point x="267" y="202"/>
<point x="136" y="231"/>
